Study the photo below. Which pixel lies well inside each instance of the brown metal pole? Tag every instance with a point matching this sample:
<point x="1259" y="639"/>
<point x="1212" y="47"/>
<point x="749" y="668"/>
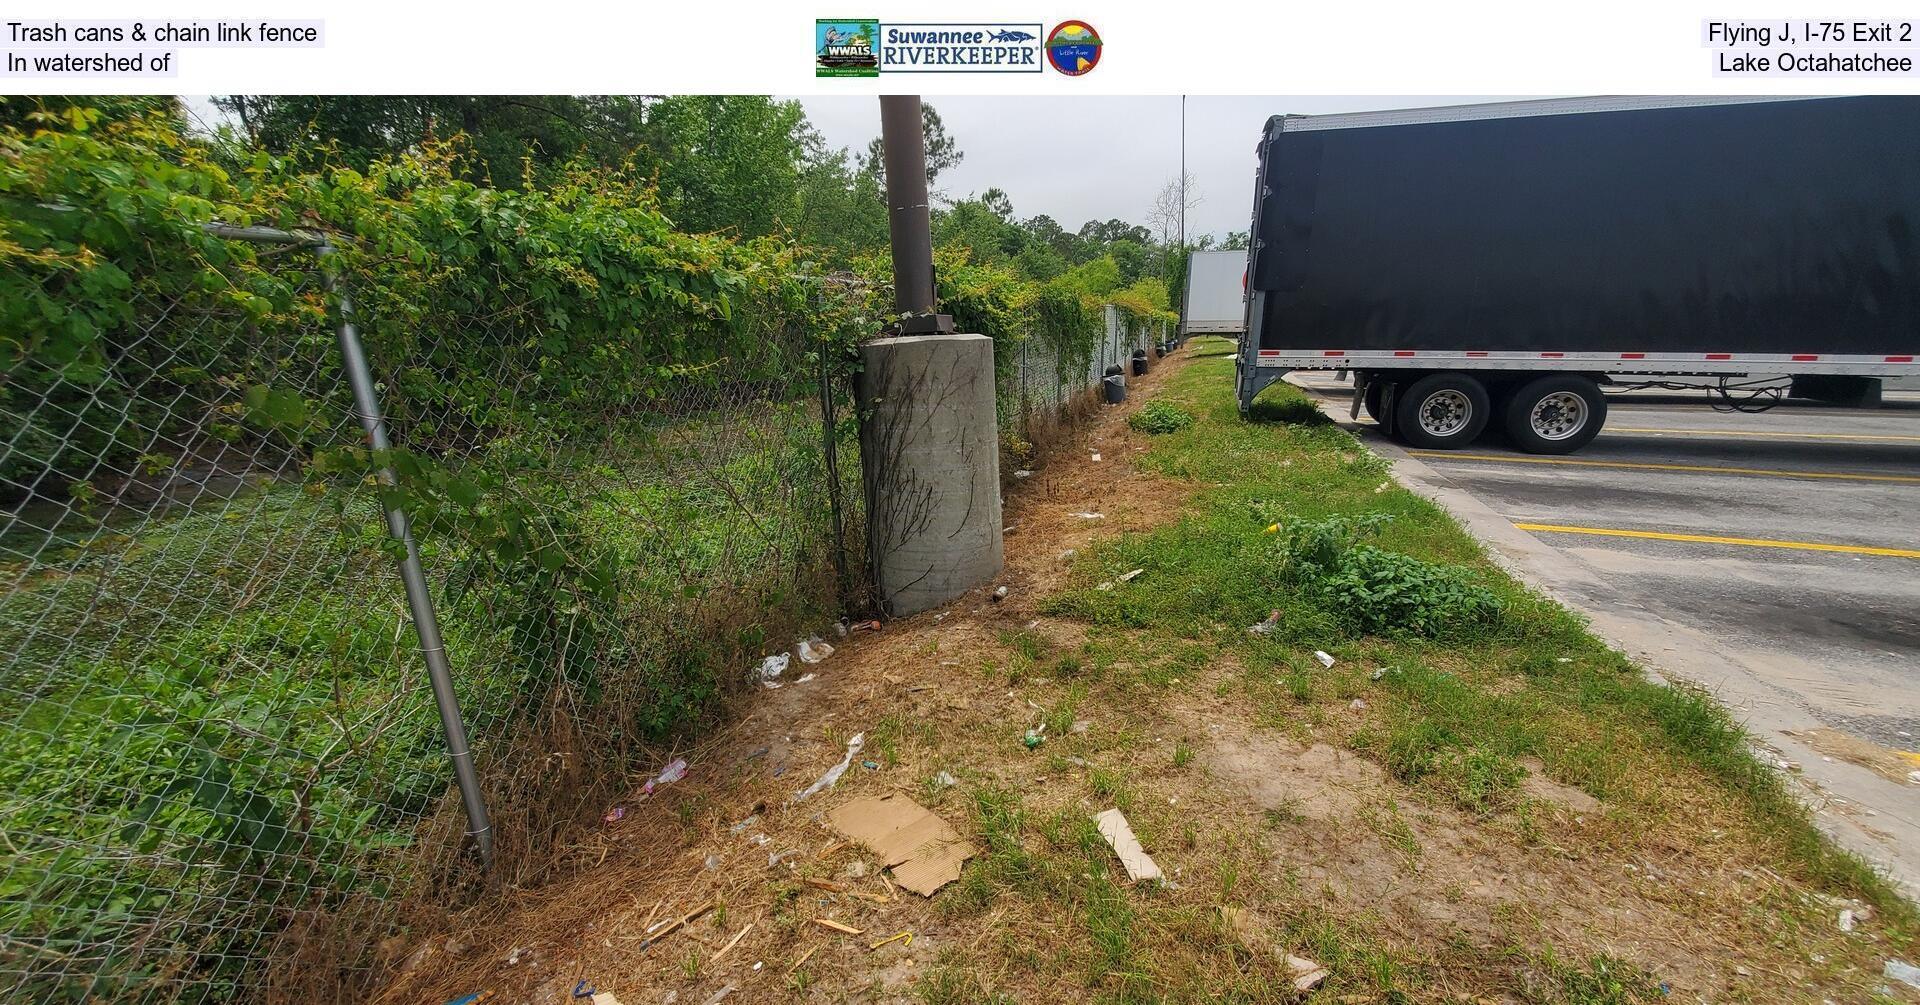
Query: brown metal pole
<point x="909" y="224"/>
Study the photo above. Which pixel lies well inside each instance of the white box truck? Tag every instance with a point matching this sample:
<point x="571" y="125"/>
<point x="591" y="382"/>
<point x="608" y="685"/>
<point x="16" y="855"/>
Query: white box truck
<point x="1216" y="299"/>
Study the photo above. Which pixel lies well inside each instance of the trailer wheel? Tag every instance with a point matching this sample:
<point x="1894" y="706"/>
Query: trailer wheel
<point x="1441" y="411"/>
<point x="1556" y="414"/>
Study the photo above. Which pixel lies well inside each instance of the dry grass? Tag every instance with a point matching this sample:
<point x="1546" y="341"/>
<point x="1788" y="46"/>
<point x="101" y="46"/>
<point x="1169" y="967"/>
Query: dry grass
<point x="1253" y="777"/>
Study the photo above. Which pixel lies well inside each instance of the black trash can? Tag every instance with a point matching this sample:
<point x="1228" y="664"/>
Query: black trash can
<point x="1115" y="387"/>
<point x="1139" y="362"/>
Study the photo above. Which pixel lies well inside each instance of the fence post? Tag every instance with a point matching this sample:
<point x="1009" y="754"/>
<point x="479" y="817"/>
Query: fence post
<point x="419" y="600"/>
<point x="830" y="447"/>
<point x="1026" y="407"/>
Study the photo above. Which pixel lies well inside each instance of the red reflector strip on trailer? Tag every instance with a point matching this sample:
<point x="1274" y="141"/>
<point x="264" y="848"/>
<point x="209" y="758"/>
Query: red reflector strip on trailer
<point x="1899" y="359"/>
<point x="1633" y="355"/>
<point x="1552" y="355"/>
<point x="1403" y="352"/>
<point x="1719" y="355"/>
<point x="1804" y="358"/>
<point x="1333" y="352"/>
<point x="1475" y="353"/>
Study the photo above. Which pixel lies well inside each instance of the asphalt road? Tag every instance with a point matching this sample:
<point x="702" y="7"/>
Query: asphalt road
<point x="1778" y="552"/>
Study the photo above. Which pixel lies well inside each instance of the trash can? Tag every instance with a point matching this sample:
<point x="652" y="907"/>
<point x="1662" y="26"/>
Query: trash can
<point x="1139" y="362"/>
<point x="1115" y="387"/>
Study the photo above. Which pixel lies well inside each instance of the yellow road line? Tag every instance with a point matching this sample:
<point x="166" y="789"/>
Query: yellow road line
<point x="1773" y="434"/>
<point x="1750" y="542"/>
<point x="1847" y="476"/>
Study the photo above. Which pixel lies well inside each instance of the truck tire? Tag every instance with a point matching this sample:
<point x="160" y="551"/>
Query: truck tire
<point x="1555" y="414"/>
<point x="1441" y="411"/>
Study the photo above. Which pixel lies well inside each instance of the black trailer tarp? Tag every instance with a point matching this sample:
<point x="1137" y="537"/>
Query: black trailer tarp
<point x="1769" y="227"/>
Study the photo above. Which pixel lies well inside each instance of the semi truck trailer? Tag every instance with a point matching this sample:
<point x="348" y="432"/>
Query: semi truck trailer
<point x="1498" y="266"/>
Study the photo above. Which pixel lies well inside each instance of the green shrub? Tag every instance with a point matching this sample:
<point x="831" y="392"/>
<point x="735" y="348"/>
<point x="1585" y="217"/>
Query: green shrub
<point x="1160" y="417"/>
<point x="1379" y="591"/>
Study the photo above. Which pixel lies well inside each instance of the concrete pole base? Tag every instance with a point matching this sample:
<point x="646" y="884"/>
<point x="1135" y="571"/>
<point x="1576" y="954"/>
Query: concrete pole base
<point x="930" y="453"/>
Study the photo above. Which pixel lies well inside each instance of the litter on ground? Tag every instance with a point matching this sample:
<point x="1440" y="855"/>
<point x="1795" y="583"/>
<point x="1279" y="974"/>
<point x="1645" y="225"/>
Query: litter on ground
<point x="1325" y="659"/>
<point x="1119" y="834"/>
<point x="812" y="650"/>
<point x="668" y="775"/>
<point x="837" y="926"/>
<point x="833" y="774"/>
<point x="769" y="671"/>
<point x="1266" y="627"/>
<point x="908" y="936"/>
<point x="1305" y="973"/>
<point x="923" y="850"/>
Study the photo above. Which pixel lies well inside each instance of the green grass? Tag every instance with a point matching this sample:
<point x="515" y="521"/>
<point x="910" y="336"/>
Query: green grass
<point x="1469" y="703"/>
<point x="1461" y="710"/>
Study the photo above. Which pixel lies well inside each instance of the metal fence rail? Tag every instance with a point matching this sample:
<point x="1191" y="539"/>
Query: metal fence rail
<point x="218" y="732"/>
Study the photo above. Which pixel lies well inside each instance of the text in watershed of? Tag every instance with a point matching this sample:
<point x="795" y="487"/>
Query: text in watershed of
<point x="1852" y="47"/>
<point x="63" y="47"/>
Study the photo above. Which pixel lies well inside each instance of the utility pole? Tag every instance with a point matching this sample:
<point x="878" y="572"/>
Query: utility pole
<point x="904" y="152"/>
<point x="929" y="444"/>
<point x="1183" y="173"/>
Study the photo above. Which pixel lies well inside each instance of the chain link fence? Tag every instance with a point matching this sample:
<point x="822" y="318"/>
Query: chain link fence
<point x="1045" y="388"/>
<point x="223" y="758"/>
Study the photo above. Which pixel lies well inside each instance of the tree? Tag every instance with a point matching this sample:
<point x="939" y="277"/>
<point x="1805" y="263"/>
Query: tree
<point x="1170" y="206"/>
<point x="505" y="134"/>
<point x="1109" y="231"/>
<point x="839" y="209"/>
<point x="943" y="151"/>
<point x="724" y="161"/>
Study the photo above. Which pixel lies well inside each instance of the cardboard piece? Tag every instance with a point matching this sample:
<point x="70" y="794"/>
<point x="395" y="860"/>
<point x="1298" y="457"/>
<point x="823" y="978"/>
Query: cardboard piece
<point x="924" y="851"/>
<point x="1119" y="834"/>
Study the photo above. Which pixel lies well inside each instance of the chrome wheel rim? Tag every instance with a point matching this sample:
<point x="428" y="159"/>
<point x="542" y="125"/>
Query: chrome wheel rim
<point x="1558" y="416"/>
<point x="1445" y="412"/>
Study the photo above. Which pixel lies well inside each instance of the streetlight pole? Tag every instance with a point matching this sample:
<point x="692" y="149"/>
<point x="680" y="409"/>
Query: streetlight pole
<point x="909" y="224"/>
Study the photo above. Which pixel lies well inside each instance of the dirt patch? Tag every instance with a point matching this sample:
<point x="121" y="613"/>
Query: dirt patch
<point x="1536" y="785"/>
<point x="1316" y="782"/>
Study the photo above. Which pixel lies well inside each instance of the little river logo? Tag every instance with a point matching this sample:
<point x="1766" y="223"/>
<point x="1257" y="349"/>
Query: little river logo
<point x="1073" y="48"/>
<point x="846" y="47"/>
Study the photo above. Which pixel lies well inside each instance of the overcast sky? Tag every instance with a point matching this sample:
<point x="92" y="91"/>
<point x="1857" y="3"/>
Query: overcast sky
<point x="1094" y="158"/>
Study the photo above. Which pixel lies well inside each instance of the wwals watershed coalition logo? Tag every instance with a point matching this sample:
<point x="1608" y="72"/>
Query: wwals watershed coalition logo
<point x="846" y="48"/>
<point x="1073" y="48"/>
<point x="859" y="47"/>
